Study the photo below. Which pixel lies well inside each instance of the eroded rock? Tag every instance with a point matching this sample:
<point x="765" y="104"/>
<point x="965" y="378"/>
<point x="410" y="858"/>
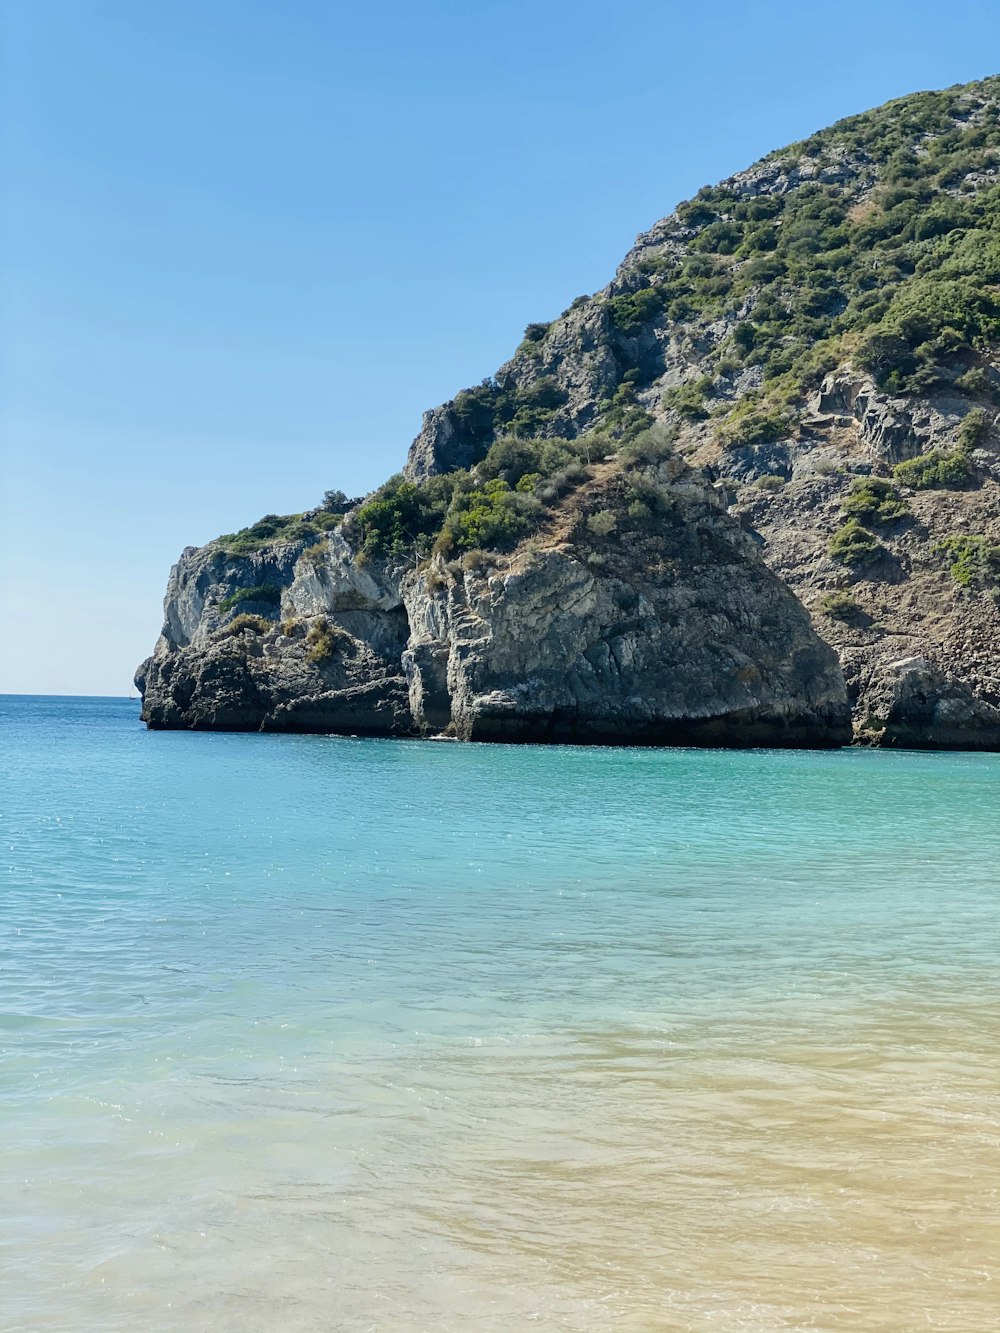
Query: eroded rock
<point x="662" y="629"/>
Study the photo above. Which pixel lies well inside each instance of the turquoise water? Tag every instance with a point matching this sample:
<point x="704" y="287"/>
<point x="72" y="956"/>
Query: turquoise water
<point x="322" y="1034"/>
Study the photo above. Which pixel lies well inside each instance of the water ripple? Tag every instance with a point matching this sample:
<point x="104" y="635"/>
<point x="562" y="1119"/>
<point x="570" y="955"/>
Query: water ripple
<point x="330" y="1036"/>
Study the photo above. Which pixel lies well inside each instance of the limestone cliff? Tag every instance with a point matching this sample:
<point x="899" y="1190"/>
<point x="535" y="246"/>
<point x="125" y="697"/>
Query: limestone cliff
<point x="770" y="443"/>
<point x="657" y="626"/>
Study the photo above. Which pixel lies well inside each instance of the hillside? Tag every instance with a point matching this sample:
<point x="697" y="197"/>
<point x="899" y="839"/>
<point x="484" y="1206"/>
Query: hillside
<point x="772" y="435"/>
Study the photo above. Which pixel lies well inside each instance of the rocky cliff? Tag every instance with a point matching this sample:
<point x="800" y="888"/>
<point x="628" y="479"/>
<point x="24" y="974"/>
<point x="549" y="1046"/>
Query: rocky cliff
<point x="649" y="620"/>
<point x="749" y="487"/>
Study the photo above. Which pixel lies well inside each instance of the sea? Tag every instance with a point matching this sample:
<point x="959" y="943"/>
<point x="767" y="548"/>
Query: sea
<point x="305" y="1034"/>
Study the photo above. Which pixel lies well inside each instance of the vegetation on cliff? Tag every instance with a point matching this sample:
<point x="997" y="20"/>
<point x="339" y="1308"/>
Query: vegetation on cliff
<point x="887" y="250"/>
<point x="876" y="241"/>
<point x="276" y="528"/>
<point x="516" y="487"/>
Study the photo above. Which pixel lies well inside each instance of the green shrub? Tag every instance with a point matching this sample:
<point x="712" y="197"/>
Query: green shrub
<point x="483" y="412"/>
<point x="977" y="382"/>
<point x="873" y="500"/>
<point x="929" y="317"/>
<point x="560" y="483"/>
<point x="245" y="624"/>
<point x="974" y="561"/>
<point x="270" y="528"/>
<point x="972" y="430"/>
<point x="646" y="499"/>
<point x="770" y="482"/>
<point x="719" y="238"/>
<point x="535" y="407"/>
<point x="475" y="411"/>
<point x="838" y="606"/>
<point x="316" y="554"/>
<point x="622" y="417"/>
<point x="512" y="459"/>
<point x="266" y="594"/>
<point x="887" y="356"/>
<point x="476" y="561"/>
<point x="602" y="524"/>
<point x="745" y="335"/>
<point x="402" y="518"/>
<point x="492" y="517"/>
<point x="752" y="424"/>
<point x="323" y="639"/>
<point x="634" y="310"/>
<point x="688" y="399"/>
<point x="651" y="445"/>
<point x="590" y="447"/>
<point x="935" y="470"/>
<point x="854" y="545"/>
<point x="534" y="336"/>
<point x="324" y="520"/>
<point x="277" y="528"/>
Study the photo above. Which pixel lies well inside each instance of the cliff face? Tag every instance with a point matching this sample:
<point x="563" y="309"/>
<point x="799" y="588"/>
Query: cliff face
<point x="761" y="463"/>
<point x="919" y="648"/>
<point x="658" y="627"/>
<point x="241" y="668"/>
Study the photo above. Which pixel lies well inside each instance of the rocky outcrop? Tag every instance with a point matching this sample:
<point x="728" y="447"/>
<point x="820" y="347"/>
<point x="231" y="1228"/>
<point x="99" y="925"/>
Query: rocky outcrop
<point x="662" y="631"/>
<point x="580" y="361"/>
<point x="280" y="664"/>
<point x="904" y="607"/>
<point x="666" y="628"/>
<point x="811" y="325"/>
<point x="269" y="680"/>
<point x="890" y="428"/>
<point x="205" y="577"/>
<point x="912" y="703"/>
<point x="442" y="445"/>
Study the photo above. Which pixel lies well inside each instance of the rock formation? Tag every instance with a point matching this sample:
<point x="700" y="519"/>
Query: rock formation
<point x="665" y="627"/>
<point x="749" y="487"/>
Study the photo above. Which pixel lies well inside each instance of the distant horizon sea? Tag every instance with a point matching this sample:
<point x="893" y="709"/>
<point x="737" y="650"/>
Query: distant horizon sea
<point x="309" y="1034"/>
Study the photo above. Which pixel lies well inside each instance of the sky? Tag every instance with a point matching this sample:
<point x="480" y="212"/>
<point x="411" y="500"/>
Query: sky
<point x="245" y="244"/>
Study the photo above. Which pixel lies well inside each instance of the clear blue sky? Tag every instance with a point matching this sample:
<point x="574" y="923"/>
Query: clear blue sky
<point x="246" y="244"/>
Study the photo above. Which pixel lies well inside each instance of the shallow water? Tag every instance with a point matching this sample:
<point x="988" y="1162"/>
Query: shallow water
<point x="318" y="1035"/>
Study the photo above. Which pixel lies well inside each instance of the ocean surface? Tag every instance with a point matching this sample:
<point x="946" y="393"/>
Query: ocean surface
<point x="323" y="1035"/>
